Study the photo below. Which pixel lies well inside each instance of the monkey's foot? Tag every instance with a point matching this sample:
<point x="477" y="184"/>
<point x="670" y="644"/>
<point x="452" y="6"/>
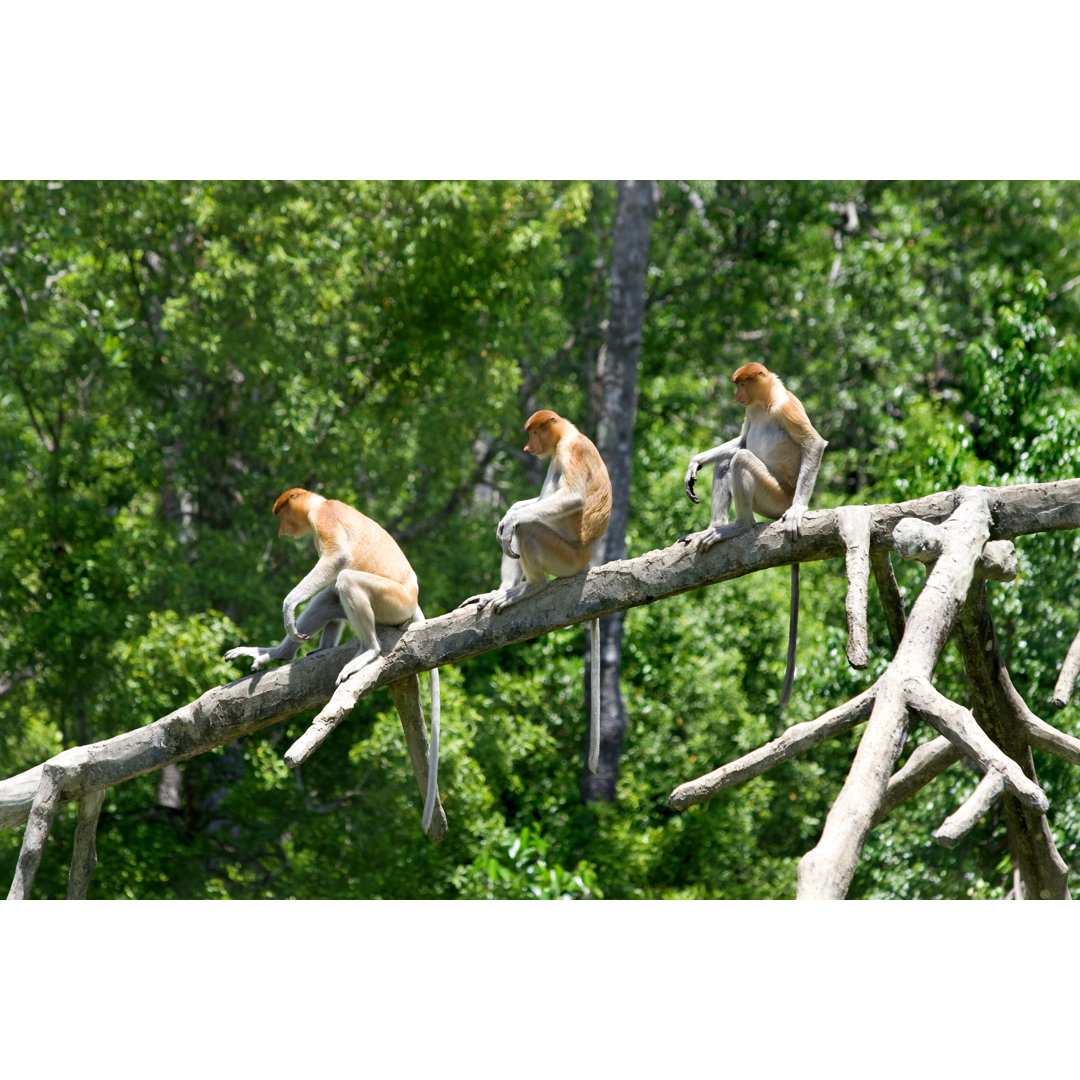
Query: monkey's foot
<point x="258" y="654"/>
<point x="357" y="663"/>
<point x="720" y="532"/>
<point x="508" y="597"/>
<point x="480" y="599"/>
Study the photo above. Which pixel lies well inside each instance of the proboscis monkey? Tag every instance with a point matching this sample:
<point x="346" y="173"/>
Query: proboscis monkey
<point x="770" y="469"/>
<point x="361" y="576"/>
<point x="556" y="532"/>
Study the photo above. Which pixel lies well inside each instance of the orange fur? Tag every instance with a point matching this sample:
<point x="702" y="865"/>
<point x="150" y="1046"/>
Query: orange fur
<point x="362" y="577"/>
<point x="770" y="469"/>
<point x="341" y="530"/>
<point x="576" y="466"/>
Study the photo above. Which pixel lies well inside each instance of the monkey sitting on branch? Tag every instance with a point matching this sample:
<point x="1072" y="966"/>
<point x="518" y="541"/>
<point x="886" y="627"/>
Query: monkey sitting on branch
<point x="770" y="469"/>
<point x="556" y="532"/>
<point x="361" y="576"/>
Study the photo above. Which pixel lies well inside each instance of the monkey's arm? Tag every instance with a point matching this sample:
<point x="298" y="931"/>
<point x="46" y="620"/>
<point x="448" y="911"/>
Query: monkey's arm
<point x="708" y="457"/>
<point x="559" y="504"/>
<point x="813" y="447"/>
<point x="323" y="573"/>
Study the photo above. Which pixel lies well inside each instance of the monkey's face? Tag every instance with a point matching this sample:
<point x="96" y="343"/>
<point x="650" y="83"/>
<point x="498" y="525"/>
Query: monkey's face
<point x="292" y="513"/>
<point x="751" y="383"/>
<point x="289" y="526"/>
<point x="743" y="395"/>
<point x="541" y="439"/>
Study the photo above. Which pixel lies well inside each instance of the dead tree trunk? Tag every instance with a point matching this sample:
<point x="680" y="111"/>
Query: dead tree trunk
<point x="958" y="534"/>
<point x="615" y="395"/>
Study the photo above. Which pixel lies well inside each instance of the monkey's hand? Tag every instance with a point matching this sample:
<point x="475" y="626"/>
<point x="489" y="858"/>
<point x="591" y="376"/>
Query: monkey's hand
<point x="688" y="483"/>
<point x="793" y="520"/>
<point x="288" y="613"/>
<point x="505" y="535"/>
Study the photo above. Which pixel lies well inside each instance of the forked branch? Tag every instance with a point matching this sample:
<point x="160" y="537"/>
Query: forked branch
<point x="967" y="517"/>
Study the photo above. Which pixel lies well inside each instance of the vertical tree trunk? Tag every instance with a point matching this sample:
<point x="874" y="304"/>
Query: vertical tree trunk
<point x="615" y="405"/>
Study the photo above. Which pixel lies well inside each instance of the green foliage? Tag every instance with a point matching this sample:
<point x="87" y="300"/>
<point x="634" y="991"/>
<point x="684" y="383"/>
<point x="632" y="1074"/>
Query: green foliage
<point x="173" y="355"/>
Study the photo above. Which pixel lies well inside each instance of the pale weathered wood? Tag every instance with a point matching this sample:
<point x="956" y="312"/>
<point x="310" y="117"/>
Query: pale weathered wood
<point x="957" y="825"/>
<point x="961" y="728"/>
<point x="968" y="517"/>
<point x="84" y="851"/>
<point x="892" y="603"/>
<point x="926" y="762"/>
<point x="1067" y="679"/>
<point x="825" y="872"/>
<point x="47" y="800"/>
<point x="854" y="525"/>
<point x="1044" y="736"/>
<point x="795" y="740"/>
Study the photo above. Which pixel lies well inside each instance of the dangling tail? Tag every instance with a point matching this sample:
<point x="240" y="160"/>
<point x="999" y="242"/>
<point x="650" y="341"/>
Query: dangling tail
<point x="431" y="799"/>
<point x="594" y="725"/>
<point x="793" y="634"/>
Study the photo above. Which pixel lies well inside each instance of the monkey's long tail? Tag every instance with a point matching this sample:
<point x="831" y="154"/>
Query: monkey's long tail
<point x="793" y="635"/>
<point x="594" y="723"/>
<point x="431" y="798"/>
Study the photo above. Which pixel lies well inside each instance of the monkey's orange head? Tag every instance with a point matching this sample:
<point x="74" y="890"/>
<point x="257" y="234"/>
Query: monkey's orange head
<point x="749" y="381"/>
<point x="291" y="506"/>
<point x="545" y="429"/>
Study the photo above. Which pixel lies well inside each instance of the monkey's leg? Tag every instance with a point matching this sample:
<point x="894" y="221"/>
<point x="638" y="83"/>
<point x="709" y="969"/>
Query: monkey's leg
<point x="543" y="551"/>
<point x="721" y="493"/>
<point x="331" y="634"/>
<point x="719" y="527"/>
<point x="323" y="613"/>
<point x="369" y="599"/>
<point x="753" y="488"/>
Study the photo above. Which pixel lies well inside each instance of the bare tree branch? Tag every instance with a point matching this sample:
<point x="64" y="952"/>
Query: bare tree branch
<point x="854" y="523"/>
<point x="959" y="554"/>
<point x="1067" y="679"/>
<point x="955" y="827"/>
<point x="84" y="855"/>
<point x="926" y="762"/>
<point x="796" y="740"/>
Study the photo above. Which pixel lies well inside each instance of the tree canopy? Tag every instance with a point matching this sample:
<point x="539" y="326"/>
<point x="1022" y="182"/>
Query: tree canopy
<point x="177" y="354"/>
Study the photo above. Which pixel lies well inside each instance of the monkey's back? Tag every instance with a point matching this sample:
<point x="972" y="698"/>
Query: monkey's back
<point x="597" y="512"/>
<point x="372" y="548"/>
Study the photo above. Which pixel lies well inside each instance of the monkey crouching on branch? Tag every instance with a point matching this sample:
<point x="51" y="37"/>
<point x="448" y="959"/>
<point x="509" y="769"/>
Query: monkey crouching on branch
<point x="361" y="577"/>
<point x="556" y="532"/>
<point x="770" y="469"/>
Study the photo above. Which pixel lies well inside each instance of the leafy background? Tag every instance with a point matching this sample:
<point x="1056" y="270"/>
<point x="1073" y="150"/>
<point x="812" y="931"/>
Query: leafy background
<point x="174" y="355"/>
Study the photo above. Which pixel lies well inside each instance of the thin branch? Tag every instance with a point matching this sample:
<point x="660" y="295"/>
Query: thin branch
<point x="960" y="726"/>
<point x="84" y="851"/>
<point x="1044" y="736"/>
<point x="854" y="525"/>
<point x="926" y="762"/>
<point x="892" y="602"/>
<point x="1067" y="679"/>
<point x="955" y="827"/>
<point x="796" y="740"/>
<point x="47" y="800"/>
